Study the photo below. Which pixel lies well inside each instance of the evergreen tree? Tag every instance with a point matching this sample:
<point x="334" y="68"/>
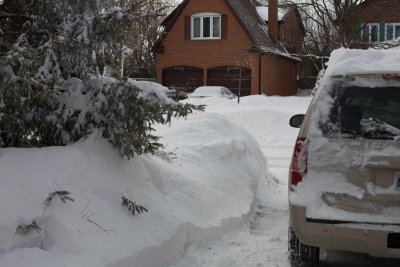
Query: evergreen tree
<point x="61" y="66"/>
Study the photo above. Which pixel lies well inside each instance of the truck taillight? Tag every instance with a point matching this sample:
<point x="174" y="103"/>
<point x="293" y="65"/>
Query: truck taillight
<point x="298" y="166"/>
<point x="392" y="76"/>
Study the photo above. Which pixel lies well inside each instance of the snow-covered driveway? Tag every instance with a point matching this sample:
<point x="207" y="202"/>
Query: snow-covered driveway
<point x="263" y="243"/>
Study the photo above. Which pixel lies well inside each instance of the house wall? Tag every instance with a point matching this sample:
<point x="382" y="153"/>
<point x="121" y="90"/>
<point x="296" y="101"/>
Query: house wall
<point x="278" y="75"/>
<point x="290" y="33"/>
<point x="208" y="53"/>
<point x="374" y="11"/>
<point x="379" y="11"/>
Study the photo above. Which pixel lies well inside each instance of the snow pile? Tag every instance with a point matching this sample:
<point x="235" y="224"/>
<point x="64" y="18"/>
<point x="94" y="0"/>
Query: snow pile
<point x="152" y="91"/>
<point x="267" y="119"/>
<point x="207" y="189"/>
<point x="349" y="61"/>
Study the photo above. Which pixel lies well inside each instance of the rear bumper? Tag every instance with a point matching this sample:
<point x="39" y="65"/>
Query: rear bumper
<point x="370" y="239"/>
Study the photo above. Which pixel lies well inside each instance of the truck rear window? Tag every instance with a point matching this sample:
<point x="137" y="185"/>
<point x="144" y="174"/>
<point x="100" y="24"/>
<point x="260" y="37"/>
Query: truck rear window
<point x="365" y="112"/>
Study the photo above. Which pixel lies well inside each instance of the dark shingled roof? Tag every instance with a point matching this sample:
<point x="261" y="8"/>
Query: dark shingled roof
<point x="254" y="26"/>
<point x="246" y="14"/>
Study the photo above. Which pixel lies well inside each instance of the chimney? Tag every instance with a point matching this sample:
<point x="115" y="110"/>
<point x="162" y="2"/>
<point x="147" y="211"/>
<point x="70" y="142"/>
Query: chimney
<point x="273" y="19"/>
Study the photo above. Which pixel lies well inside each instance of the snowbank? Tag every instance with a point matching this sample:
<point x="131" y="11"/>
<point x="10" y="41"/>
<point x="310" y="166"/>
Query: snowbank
<point x="153" y="91"/>
<point x="206" y="190"/>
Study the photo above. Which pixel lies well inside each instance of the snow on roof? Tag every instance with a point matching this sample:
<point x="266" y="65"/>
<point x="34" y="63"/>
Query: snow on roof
<point x="263" y="12"/>
<point x="344" y="62"/>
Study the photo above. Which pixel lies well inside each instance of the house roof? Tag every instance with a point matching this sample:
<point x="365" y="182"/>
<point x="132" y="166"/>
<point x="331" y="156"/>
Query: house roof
<point x="246" y="13"/>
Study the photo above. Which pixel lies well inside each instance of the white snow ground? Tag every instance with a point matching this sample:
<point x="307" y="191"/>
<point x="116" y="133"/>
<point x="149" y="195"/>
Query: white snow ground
<point x="207" y="190"/>
<point x="204" y="206"/>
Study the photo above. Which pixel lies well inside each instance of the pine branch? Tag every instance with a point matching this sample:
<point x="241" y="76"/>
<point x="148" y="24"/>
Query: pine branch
<point x="132" y="206"/>
<point x="63" y="195"/>
<point x="24" y="229"/>
<point x="165" y="155"/>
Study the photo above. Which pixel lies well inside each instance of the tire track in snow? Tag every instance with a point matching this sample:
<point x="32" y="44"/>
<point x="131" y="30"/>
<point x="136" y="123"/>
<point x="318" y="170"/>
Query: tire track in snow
<point x="267" y="220"/>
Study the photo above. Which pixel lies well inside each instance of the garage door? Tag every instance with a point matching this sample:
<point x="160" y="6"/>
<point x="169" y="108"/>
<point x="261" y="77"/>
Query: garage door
<point x="230" y="77"/>
<point x="186" y="78"/>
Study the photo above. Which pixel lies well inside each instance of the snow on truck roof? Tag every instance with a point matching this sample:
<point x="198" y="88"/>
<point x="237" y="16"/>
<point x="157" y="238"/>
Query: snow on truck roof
<point x="348" y="62"/>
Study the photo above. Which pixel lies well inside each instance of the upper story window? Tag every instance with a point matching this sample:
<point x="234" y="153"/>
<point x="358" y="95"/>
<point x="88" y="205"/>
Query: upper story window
<point x="392" y="31"/>
<point x="206" y="26"/>
<point x="369" y="33"/>
<point x="378" y="32"/>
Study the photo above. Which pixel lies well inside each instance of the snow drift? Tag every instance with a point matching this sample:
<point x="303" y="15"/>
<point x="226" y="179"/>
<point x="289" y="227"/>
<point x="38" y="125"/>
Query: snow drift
<point x="185" y="199"/>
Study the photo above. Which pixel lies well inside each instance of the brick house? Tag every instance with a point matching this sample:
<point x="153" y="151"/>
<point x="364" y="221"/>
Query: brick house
<point x="235" y="43"/>
<point x="375" y="21"/>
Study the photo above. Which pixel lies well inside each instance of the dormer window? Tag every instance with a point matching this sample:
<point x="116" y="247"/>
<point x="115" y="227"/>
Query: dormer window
<point x="206" y="26"/>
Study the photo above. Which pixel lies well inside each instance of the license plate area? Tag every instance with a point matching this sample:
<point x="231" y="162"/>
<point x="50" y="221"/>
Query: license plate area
<point x="397" y="180"/>
<point x="393" y="240"/>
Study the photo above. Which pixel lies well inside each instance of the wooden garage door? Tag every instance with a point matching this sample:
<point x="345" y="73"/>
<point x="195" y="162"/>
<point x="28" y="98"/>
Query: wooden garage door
<point x="186" y="78"/>
<point x="230" y="77"/>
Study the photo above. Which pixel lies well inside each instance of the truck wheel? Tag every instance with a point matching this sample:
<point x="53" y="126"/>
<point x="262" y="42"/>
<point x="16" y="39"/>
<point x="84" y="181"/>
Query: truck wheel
<point x="314" y="256"/>
<point x="293" y="244"/>
<point x="301" y="254"/>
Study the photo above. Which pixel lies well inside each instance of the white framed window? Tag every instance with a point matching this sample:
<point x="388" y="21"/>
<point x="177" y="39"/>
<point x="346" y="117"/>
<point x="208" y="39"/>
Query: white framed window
<point x="375" y="32"/>
<point x="370" y="32"/>
<point x="206" y="26"/>
<point x="392" y="31"/>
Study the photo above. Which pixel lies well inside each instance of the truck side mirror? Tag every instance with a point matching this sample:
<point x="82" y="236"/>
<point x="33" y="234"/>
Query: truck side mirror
<point x="296" y="120"/>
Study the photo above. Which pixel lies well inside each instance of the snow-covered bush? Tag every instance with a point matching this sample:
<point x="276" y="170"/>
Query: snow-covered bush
<point x="25" y="108"/>
<point x="53" y="87"/>
<point x="126" y="114"/>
